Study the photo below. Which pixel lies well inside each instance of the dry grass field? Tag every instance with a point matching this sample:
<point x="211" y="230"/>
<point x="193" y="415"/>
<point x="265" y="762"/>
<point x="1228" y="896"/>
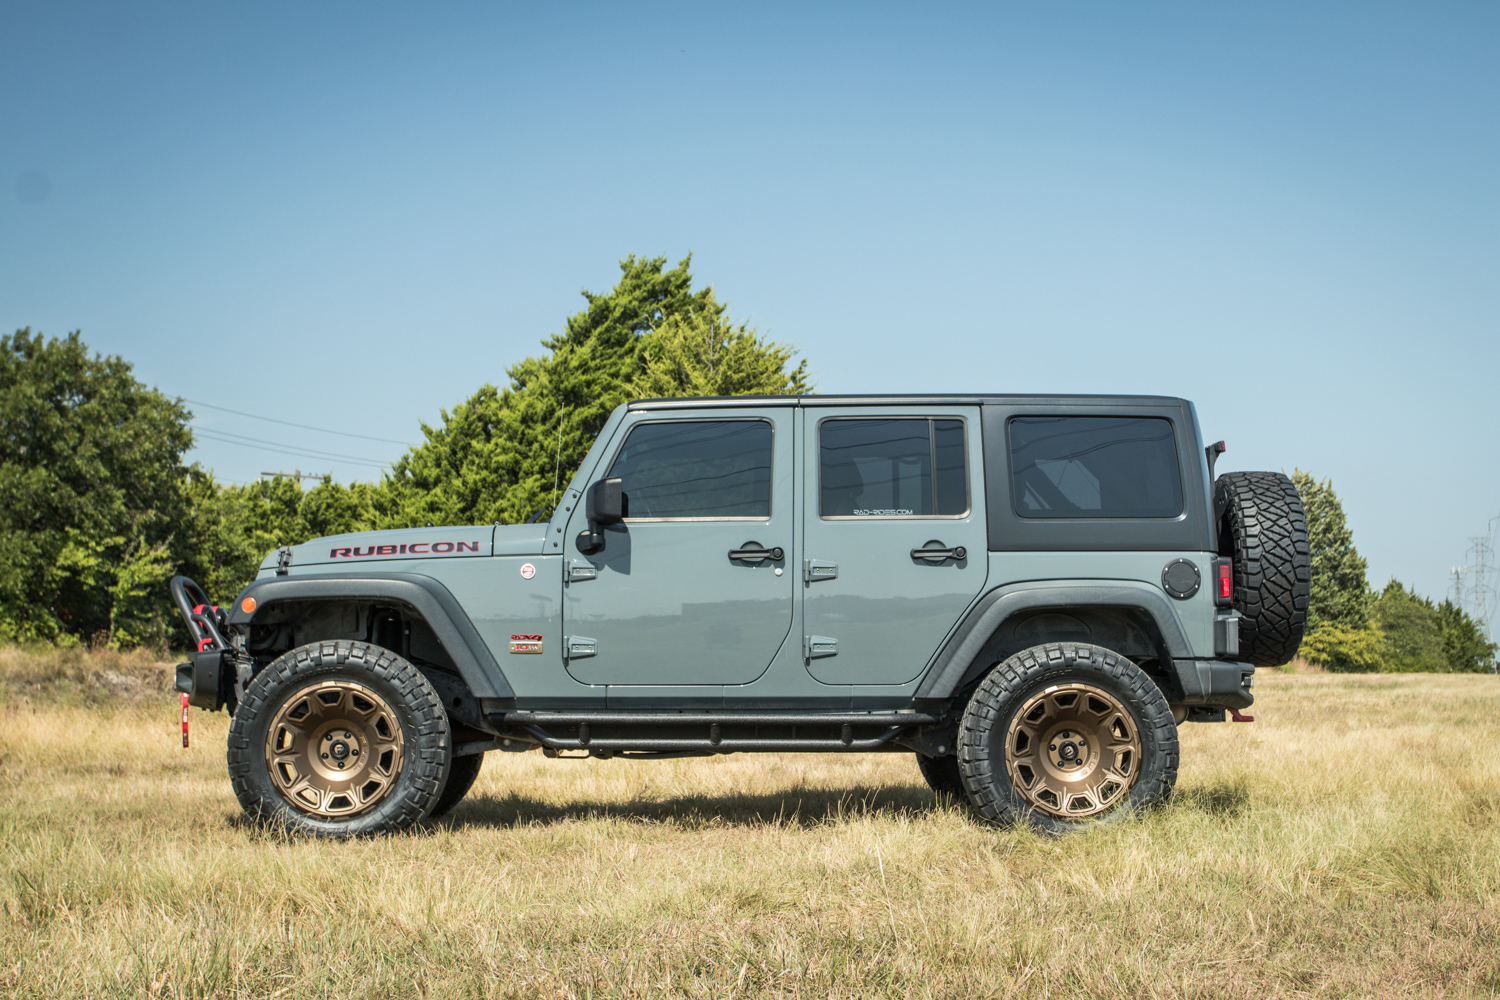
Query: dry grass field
<point x="1347" y="844"/>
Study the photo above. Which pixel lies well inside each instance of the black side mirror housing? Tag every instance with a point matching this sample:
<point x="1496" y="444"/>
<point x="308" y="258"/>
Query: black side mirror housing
<point x="606" y="504"/>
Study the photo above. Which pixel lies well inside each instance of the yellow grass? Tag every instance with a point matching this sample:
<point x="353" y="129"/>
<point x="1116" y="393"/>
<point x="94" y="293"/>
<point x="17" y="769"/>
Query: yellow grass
<point x="1346" y="844"/>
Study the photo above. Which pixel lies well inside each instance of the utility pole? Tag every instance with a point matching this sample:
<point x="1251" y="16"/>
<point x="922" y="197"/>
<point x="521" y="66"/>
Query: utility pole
<point x="299" y="474"/>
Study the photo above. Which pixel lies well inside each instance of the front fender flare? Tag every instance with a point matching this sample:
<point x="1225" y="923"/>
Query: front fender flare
<point x="951" y="668"/>
<point x="423" y="594"/>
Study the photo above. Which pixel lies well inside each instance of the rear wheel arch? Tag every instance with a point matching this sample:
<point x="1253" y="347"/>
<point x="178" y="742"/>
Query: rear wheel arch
<point x="1132" y="620"/>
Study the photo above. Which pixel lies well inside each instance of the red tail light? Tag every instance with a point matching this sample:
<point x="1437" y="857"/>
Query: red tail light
<point x="1226" y="580"/>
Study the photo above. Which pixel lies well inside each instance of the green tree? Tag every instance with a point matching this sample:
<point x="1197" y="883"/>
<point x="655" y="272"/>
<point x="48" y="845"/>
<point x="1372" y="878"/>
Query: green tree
<point x="1340" y="594"/>
<point x="91" y="494"/>
<point x="1465" y="646"/>
<point x="502" y="454"/>
<point x="1408" y="623"/>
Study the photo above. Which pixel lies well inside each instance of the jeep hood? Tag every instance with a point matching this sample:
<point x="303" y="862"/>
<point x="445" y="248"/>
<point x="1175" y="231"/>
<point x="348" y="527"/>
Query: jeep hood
<point x="406" y="544"/>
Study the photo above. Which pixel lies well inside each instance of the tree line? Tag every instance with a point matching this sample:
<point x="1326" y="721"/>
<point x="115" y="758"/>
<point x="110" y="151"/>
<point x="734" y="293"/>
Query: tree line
<point x="98" y="510"/>
<point x="1352" y="627"/>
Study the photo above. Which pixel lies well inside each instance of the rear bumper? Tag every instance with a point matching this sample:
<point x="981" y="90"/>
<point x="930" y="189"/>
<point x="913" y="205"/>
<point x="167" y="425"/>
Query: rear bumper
<point x="1220" y="683"/>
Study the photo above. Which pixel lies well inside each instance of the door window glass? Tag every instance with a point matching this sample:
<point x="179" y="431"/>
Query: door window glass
<point x="696" y="468"/>
<point x="899" y="467"/>
<point x="1095" y="467"/>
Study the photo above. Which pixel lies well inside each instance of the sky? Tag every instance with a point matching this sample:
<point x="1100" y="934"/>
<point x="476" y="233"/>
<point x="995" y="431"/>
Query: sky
<point x="351" y="216"/>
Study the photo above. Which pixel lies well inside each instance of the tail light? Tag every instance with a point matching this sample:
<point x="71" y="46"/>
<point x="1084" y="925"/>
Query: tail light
<point x="1223" y="582"/>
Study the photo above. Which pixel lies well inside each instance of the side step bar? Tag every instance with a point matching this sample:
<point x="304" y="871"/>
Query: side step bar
<point x="704" y="732"/>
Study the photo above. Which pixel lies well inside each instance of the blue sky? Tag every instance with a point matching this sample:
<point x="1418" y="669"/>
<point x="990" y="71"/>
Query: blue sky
<point x="351" y="216"/>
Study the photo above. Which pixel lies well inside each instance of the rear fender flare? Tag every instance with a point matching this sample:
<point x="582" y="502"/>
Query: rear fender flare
<point x="958" y="661"/>
<point x="423" y="594"/>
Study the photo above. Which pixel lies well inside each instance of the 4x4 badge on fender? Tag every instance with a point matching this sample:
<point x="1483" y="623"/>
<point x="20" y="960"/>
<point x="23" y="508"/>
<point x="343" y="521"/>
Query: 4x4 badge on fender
<point x="525" y="644"/>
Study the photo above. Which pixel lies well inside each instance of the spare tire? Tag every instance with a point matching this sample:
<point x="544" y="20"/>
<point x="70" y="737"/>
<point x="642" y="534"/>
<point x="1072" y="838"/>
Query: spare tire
<point x="1263" y="528"/>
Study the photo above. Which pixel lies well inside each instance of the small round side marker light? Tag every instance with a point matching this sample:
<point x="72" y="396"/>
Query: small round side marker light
<point x="248" y="605"/>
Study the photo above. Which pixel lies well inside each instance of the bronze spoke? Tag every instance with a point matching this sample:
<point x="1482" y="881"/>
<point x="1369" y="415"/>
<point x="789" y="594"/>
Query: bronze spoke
<point x="1072" y="751"/>
<point x="334" y="748"/>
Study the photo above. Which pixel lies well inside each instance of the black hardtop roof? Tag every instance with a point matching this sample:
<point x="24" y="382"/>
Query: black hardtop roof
<point x="913" y="399"/>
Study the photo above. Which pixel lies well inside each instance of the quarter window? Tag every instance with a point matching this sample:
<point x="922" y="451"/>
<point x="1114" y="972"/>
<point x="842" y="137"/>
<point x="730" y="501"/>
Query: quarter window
<point x="899" y="467"/>
<point x="696" y="469"/>
<point x="1095" y="467"/>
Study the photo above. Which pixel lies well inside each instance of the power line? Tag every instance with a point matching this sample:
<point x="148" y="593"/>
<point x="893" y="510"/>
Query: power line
<point x="312" y="452"/>
<point x="288" y="423"/>
<point x="293" y="452"/>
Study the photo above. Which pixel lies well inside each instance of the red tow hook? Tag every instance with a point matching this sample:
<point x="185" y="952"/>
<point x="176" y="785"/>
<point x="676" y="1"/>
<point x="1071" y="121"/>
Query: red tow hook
<point x="1234" y="715"/>
<point x="184" y="721"/>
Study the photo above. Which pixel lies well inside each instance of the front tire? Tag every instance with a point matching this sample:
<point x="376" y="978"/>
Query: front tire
<point x="1066" y="735"/>
<point x="339" y="739"/>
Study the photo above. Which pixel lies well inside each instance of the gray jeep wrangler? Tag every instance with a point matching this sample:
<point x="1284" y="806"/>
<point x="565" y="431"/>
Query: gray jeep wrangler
<point x="1028" y="593"/>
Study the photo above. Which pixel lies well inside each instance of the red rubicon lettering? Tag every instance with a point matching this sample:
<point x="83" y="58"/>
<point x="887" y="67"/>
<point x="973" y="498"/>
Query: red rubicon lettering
<point x="468" y="546"/>
<point x="442" y="546"/>
<point x="525" y="638"/>
<point x="360" y="552"/>
<point x="387" y="550"/>
<point x="413" y="549"/>
<point x="336" y="553"/>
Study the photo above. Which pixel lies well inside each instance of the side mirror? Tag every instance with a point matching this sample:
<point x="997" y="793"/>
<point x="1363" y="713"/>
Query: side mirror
<point x="606" y="504"/>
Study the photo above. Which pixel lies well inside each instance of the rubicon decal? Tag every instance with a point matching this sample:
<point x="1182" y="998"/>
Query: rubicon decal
<point x="412" y="549"/>
<point x="525" y="644"/>
<point x="528" y="571"/>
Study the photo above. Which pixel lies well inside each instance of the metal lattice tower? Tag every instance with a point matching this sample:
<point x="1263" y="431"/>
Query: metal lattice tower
<point x="1474" y="584"/>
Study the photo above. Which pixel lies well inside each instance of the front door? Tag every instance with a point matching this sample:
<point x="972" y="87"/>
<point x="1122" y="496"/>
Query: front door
<point x="895" y="545"/>
<point x="687" y="590"/>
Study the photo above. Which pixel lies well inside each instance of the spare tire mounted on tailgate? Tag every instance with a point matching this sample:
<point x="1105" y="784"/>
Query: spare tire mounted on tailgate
<point x="1263" y="528"/>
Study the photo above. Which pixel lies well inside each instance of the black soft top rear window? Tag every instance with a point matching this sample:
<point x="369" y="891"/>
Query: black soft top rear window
<point x="1094" y="467"/>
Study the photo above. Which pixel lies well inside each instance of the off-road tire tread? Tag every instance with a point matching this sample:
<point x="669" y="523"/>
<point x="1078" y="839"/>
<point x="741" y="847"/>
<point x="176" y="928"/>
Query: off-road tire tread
<point x="1004" y="690"/>
<point x="1264" y="528"/>
<point x="941" y="774"/>
<point x="427" y="743"/>
<point x="461" y="777"/>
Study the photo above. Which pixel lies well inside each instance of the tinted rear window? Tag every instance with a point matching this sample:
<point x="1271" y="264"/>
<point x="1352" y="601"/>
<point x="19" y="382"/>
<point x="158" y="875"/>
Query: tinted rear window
<point x="1094" y="467"/>
<point x="892" y="467"/>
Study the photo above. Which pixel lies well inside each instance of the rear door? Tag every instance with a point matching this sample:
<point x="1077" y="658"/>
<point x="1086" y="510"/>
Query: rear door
<point x="894" y="537"/>
<point x="686" y="590"/>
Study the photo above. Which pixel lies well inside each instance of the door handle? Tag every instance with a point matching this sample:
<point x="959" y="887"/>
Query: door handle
<point x="753" y="553"/>
<point x="935" y="551"/>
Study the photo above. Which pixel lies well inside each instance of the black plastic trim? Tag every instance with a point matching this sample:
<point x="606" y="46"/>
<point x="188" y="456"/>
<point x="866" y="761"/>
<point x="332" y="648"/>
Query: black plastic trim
<point x="425" y="595"/>
<point x="951" y="667"/>
<point x="1218" y="683"/>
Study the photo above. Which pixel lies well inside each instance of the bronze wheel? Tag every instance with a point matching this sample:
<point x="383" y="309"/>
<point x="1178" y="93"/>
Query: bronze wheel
<point x="334" y="748"/>
<point x="1066" y="735"/>
<point x="1073" y="750"/>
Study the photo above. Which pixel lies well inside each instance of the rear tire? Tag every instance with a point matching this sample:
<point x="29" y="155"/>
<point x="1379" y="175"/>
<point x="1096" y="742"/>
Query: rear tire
<point x="339" y="739"/>
<point x="1263" y="528"/>
<point x="1066" y="735"/>
<point x="461" y="777"/>
<point x="941" y="774"/>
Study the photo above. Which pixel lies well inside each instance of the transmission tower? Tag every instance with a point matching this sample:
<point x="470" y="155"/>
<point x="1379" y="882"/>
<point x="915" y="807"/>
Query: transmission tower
<point x="1475" y="580"/>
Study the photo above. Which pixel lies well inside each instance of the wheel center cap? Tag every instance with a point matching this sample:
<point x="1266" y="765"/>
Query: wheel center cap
<point x="1068" y="751"/>
<point x="339" y="750"/>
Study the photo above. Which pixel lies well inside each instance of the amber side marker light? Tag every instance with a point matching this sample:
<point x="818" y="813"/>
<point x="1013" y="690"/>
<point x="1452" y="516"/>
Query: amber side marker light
<point x="248" y="605"/>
